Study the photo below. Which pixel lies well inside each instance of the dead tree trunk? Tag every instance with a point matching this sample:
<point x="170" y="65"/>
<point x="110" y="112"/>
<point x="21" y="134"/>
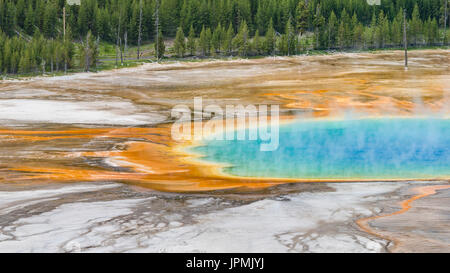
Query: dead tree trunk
<point x="64" y="21"/>
<point x="140" y="31"/>
<point x="118" y="44"/>
<point x="157" y="30"/>
<point x="125" y="37"/>
<point x="52" y="51"/>
<point x="86" y="53"/>
<point x="121" y="51"/>
<point x="117" y="47"/>
<point x="445" y="21"/>
<point x="404" y="39"/>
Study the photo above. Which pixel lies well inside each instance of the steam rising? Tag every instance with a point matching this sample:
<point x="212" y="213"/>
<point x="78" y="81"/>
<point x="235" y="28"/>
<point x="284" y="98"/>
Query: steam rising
<point x="383" y="148"/>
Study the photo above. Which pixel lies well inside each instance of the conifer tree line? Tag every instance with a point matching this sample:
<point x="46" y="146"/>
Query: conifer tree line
<point x="33" y="37"/>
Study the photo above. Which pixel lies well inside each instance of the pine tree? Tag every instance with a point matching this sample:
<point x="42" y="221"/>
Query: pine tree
<point x="382" y="30"/>
<point x="434" y="31"/>
<point x="185" y="19"/>
<point x="9" y="20"/>
<point x="397" y="29"/>
<point x="180" y="44"/>
<point x="191" y="43"/>
<point x="367" y="36"/>
<point x="208" y="38"/>
<point x="204" y="42"/>
<point x="358" y="35"/>
<point x="373" y="31"/>
<point x="169" y="11"/>
<point x="7" y="52"/>
<point x="94" y="50"/>
<point x="50" y="17"/>
<point x="346" y="34"/>
<point x="270" y="40"/>
<point x="415" y="25"/>
<point x="319" y="23"/>
<point x="257" y="43"/>
<point x="302" y="15"/>
<point x="241" y="41"/>
<point x="332" y="30"/>
<point x="148" y="20"/>
<point x="341" y="35"/>
<point x="262" y="16"/>
<point x="303" y="44"/>
<point x="24" y="64"/>
<point x="29" y="20"/>
<point x="217" y="38"/>
<point x="160" y="47"/>
<point x="20" y="15"/>
<point x="282" y="44"/>
<point x="15" y="60"/>
<point x="68" y="50"/>
<point x="88" y="52"/>
<point x="229" y="39"/>
<point x="133" y="24"/>
<point x="353" y="31"/>
<point x="291" y="40"/>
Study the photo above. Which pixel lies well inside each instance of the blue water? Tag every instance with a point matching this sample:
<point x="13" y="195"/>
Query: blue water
<point x="347" y="149"/>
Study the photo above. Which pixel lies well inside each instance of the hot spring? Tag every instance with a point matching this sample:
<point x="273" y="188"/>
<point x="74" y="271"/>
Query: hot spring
<point x="373" y="148"/>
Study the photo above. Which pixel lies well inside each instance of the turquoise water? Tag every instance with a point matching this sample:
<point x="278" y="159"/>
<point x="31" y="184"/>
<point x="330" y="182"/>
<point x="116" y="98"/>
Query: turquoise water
<point x="347" y="149"/>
